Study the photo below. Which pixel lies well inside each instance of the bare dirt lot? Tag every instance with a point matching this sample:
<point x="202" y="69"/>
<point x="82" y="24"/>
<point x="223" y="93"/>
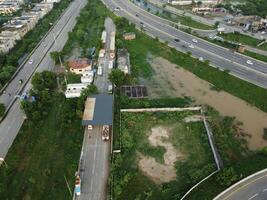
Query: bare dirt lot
<point x="173" y="81"/>
<point x="160" y="173"/>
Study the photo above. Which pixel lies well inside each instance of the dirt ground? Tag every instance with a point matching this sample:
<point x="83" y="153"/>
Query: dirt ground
<point x="160" y="173"/>
<point x="169" y="80"/>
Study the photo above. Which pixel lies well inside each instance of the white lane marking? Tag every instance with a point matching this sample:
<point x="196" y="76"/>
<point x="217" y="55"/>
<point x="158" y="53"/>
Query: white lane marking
<point x="264" y="190"/>
<point x="253" y="196"/>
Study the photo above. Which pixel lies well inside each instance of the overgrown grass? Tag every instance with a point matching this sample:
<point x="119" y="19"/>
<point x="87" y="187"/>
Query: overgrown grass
<point x="42" y="155"/>
<point x="256" y="56"/>
<point x="189" y="139"/>
<point x="263" y="47"/>
<point x="240" y="38"/>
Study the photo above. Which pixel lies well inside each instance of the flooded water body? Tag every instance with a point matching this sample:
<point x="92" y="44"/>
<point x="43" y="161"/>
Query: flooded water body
<point x="173" y="81"/>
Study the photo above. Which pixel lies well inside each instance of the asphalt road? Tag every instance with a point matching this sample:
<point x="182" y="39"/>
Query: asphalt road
<point x="253" y="188"/>
<point x="10" y="126"/>
<point x="94" y="165"/>
<point x="95" y="152"/>
<point x="218" y="56"/>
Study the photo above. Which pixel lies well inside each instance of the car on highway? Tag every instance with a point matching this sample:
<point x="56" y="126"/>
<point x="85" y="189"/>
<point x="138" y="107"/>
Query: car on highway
<point x="191" y="46"/>
<point x="201" y="59"/>
<point x="117" y="9"/>
<point x="195" y="41"/>
<point x="249" y="62"/>
<point x="136" y="15"/>
<point x="176" y="40"/>
<point x="30" y="61"/>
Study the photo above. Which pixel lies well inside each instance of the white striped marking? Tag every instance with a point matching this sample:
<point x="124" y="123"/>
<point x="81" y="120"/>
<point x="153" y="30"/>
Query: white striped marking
<point x="253" y="196"/>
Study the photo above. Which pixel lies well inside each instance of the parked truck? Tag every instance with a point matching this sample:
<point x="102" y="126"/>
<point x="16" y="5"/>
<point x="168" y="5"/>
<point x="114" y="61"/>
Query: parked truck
<point x="112" y="45"/>
<point x="105" y="133"/>
<point x="104" y="37"/>
<point x="102" y="53"/>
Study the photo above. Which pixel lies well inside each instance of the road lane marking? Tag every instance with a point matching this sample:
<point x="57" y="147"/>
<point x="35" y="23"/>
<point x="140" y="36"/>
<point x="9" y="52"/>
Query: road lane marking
<point x="241" y="187"/>
<point x="253" y="196"/>
<point x="201" y="49"/>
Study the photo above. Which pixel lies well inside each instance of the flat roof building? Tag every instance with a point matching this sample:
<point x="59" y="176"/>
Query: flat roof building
<point x="98" y="110"/>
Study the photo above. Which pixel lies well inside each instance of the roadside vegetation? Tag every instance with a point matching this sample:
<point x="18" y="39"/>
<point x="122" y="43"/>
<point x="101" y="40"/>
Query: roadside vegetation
<point x="241" y="38"/>
<point x="194" y="156"/>
<point x="10" y="62"/>
<point x="256" y="56"/>
<point x="43" y="158"/>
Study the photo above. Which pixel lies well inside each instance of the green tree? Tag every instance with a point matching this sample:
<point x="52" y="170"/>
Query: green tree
<point x="55" y="55"/>
<point x="227" y="177"/>
<point x="44" y="80"/>
<point x="199" y="3"/>
<point x="2" y="109"/>
<point x="117" y="77"/>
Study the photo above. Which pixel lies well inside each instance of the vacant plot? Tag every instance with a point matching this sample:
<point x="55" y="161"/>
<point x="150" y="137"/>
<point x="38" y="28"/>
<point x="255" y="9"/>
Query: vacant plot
<point x="175" y="81"/>
<point x="162" y="156"/>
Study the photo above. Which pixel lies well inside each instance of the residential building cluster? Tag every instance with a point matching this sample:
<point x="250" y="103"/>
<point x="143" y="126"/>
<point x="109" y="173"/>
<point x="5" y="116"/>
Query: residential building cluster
<point x="83" y="67"/>
<point x="16" y="28"/>
<point x="8" y="7"/>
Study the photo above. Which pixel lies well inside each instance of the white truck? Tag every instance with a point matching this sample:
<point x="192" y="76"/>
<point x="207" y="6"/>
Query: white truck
<point x="102" y="53"/>
<point x="100" y="71"/>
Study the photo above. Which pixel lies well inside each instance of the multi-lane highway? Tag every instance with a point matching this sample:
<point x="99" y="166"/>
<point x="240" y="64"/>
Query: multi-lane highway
<point x="253" y="187"/>
<point x="218" y="56"/>
<point x="54" y="41"/>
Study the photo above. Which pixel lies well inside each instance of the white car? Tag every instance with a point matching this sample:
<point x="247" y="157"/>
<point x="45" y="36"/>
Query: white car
<point x="191" y="46"/>
<point x="201" y="59"/>
<point x="90" y="127"/>
<point x="249" y="62"/>
<point x="195" y="41"/>
<point x="117" y="9"/>
<point x="30" y="61"/>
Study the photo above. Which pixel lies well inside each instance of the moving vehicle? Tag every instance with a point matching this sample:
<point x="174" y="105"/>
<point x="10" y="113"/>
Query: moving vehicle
<point x="195" y="41"/>
<point x="201" y="59"/>
<point x="176" y="40"/>
<point x="191" y="46"/>
<point x="30" y="61"/>
<point x="249" y="62"/>
<point x="117" y="9"/>
<point x="90" y="127"/>
<point x="136" y="15"/>
<point x="105" y="133"/>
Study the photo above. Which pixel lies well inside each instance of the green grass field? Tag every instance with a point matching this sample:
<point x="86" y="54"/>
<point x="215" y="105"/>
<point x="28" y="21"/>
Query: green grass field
<point x="41" y="156"/>
<point x="240" y="38"/>
<point x="188" y="138"/>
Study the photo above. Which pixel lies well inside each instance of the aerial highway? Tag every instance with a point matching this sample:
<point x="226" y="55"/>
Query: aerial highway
<point x="53" y="41"/>
<point x="253" y="187"/>
<point x="254" y="71"/>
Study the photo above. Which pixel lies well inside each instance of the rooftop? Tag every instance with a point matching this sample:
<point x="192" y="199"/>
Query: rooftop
<point x="98" y="110"/>
<point x="79" y="63"/>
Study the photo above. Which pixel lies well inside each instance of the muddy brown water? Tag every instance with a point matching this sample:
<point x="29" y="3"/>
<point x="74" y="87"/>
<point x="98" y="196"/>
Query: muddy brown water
<point x="169" y="80"/>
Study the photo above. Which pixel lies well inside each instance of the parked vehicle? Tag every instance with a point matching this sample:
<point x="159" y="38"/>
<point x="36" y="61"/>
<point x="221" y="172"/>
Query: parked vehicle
<point x="100" y="71"/>
<point x="110" y="89"/>
<point x="78" y="186"/>
<point x="105" y="133"/>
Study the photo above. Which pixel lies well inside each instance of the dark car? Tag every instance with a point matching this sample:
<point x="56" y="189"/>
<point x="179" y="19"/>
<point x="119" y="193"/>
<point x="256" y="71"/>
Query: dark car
<point x="176" y="40"/>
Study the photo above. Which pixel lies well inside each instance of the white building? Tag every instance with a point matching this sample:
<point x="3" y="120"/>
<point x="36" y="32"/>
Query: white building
<point x="74" y="90"/>
<point x="87" y="77"/>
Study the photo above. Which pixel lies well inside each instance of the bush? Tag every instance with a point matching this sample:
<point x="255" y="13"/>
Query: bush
<point x="227" y="177"/>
